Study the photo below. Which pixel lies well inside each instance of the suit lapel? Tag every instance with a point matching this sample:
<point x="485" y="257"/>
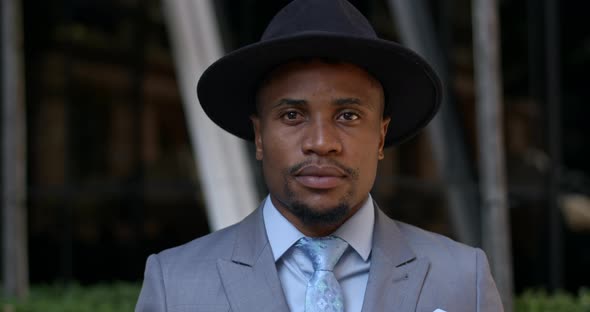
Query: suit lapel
<point x="250" y="277"/>
<point x="396" y="275"/>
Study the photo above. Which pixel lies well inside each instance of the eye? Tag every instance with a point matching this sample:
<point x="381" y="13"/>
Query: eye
<point x="291" y="115"/>
<point x="349" y="116"/>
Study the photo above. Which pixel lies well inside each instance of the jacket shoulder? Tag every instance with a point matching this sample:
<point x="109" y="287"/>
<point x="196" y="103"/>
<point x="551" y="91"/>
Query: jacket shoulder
<point x="433" y="245"/>
<point x="463" y="267"/>
<point x="210" y="247"/>
<point x="173" y="275"/>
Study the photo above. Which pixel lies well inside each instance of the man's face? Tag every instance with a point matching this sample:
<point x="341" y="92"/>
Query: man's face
<point x="319" y="133"/>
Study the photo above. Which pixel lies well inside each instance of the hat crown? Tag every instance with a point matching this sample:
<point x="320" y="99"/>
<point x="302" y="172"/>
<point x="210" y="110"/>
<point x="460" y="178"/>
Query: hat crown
<point x="330" y="16"/>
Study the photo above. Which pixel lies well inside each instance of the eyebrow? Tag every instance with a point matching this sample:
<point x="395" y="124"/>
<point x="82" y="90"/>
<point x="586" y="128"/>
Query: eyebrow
<point x="290" y="102"/>
<point x="347" y="101"/>
<point x="297" y="102"/>
<point x="354" y="101"/>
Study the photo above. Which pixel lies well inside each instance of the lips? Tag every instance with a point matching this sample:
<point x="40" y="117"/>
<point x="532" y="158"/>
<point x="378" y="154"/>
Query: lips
<point x="316" y="177"/>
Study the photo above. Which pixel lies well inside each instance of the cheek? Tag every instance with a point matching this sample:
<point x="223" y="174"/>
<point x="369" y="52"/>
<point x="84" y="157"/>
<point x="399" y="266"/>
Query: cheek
<point x="279" y="141"/>
<point x="277" y="154"/>
<point x="368" y="161"/>
<point x="367" y="144"/>
<point x="366" y="157"/>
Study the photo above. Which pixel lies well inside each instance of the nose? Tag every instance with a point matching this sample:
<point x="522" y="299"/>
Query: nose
<point x="321" y="138"/>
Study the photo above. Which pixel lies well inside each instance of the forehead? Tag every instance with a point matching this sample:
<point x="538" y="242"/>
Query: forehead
<point x="313" y="77"/>
<point x="316" y="66"/>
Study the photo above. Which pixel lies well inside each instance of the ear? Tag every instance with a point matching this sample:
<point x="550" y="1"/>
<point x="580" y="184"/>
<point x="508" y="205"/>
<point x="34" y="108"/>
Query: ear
<point x="257" y="136"/>
<point x="383" y="132"/>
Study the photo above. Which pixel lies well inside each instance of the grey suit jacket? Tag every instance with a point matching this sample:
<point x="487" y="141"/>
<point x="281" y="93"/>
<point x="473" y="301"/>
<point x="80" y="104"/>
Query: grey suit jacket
<point x="234" y="270"/>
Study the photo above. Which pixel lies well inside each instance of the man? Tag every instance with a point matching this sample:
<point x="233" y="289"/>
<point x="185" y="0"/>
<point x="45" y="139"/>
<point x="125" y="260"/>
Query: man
<point x="321" y="96"/>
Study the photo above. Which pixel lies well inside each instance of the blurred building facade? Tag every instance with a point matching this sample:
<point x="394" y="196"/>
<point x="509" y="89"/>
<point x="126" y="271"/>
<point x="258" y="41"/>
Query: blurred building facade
<point x="112" y="176"/>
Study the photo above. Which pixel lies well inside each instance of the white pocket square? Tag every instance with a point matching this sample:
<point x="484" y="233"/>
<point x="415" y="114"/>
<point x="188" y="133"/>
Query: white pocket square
<point x="439" y="310"/>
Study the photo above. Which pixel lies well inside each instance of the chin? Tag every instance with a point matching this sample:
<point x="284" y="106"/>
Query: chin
<point x="313" y="216"/>
<point x="317" y="207"/>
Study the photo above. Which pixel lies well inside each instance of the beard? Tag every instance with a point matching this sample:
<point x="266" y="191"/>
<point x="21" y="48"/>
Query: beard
<point x="312" y="216"/>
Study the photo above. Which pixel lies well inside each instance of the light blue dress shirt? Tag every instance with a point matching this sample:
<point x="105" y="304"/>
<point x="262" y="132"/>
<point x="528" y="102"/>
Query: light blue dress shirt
<point x="295" y="269"/>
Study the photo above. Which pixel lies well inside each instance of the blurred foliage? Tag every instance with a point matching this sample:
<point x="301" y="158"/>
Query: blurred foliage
<point x="120" y="297"/>
<point x="541" y="301"/>
<point x="115" y="297"/>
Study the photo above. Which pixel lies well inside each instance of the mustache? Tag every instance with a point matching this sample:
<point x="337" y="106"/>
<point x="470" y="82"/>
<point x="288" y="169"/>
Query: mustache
<point x="349" y="171"/>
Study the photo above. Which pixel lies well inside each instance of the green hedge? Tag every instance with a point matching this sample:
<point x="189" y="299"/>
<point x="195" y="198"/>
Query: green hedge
<point x="121" y="297"/>
<point x="116" y="297"/>
<point x="540" y="301"/>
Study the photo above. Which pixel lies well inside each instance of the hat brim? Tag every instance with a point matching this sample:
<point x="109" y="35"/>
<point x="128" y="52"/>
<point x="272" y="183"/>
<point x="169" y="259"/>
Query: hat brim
<point x="413" y="92"/>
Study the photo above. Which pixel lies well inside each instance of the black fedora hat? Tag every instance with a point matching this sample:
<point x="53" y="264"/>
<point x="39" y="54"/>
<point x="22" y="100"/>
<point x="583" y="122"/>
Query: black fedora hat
<point x="332" y="29"/>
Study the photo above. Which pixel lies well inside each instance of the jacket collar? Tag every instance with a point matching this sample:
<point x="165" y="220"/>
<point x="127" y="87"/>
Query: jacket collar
<point x="396" y="275"/>
<point x="250" y="277"/>
<point x="395" y="278"/>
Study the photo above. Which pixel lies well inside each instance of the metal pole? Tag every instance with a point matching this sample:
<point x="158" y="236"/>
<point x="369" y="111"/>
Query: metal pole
<point x="225" y="174"/>
<point x="553" y="96"/>
<point x="417" y="32"/>
<point x="14" y="217"/>
<point x="496" y="229"/>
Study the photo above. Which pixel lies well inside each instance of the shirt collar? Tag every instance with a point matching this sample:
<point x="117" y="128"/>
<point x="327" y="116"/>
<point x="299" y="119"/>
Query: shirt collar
<point x="357" y="231"/>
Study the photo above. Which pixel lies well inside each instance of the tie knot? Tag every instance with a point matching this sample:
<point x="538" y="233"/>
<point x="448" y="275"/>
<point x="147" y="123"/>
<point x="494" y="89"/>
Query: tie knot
<point x="324" y="252"/>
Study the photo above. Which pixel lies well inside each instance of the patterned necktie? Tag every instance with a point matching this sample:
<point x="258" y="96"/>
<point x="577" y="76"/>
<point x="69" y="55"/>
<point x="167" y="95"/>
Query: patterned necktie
<point x="323" y="291"/>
